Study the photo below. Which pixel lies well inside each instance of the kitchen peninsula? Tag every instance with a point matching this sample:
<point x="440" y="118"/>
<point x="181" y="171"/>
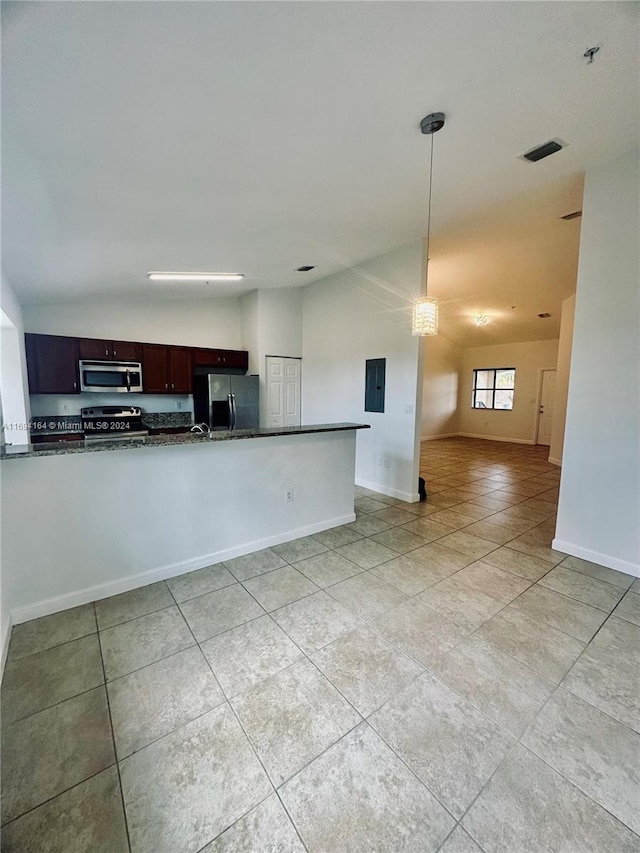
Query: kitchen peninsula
<point x="85" y="521"/>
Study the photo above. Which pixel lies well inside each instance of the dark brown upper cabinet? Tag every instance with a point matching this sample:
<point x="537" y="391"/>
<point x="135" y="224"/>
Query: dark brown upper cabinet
<point x="95" y="349"/>
<point x="221" y="358"/>
<point x="52" y="364"/>
<point x="166" y="369"/>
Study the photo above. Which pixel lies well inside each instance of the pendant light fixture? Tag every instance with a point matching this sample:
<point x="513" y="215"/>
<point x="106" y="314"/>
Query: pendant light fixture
<point x="425" y="310"/>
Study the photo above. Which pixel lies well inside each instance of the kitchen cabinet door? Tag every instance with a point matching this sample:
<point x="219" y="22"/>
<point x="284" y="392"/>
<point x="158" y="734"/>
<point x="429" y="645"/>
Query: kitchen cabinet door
<point x="52" y="364"/>
<point x="180" y="370"/>
<point x="221" y="358"/>
<point x="125" y="350"/>
<point x="93" y="349"/>
<point x="235" y="358"/>
<point x="205" y="357"/>
<point x="155" y="368"/>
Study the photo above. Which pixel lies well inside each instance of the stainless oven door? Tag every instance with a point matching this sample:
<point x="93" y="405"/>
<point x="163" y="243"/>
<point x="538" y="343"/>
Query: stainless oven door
<point x="110" y="377"/>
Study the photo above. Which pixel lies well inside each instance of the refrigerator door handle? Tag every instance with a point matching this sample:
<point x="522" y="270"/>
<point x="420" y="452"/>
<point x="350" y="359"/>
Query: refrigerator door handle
<point x="235" y="414"/>
<point x="230" y="405"/>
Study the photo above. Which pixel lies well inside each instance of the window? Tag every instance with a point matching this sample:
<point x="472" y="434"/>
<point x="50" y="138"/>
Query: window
<point x="493" y="388"/>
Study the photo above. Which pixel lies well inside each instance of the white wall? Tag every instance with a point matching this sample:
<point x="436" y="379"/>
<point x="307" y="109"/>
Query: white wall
<point x="13" y="363"/>
<point x="440" y="387"/>
<point x="281" y="322"/>
<point x="15" y="409"/>
<point x="250" y="326"/>
<point x="365" y="312"/>
<point x="174" y="520"/>
<point x="562" y="380"/>
<point x="600" y="488"/>
<point x="519" y="424"/>
<point x="271" y="325"/>
<point x="190" y="322"/>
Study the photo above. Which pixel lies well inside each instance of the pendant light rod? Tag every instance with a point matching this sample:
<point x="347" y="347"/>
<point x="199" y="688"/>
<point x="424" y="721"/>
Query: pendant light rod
<point x="425" y="311"/>
<point x="429" y="125"/>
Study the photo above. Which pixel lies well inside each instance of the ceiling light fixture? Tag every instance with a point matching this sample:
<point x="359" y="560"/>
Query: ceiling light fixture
<point x="425" y="310"/>
<point x="195" y="276"/>
<point x="481" y="319"/>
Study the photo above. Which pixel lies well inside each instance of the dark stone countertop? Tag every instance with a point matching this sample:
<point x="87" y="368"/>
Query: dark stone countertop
<point x="20" y="451"/>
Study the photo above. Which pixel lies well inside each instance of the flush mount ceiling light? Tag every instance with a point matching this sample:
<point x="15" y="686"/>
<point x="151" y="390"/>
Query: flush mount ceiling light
<point x="480" y="319"/>
<point x="425" y="311"/>
<point x="195" y="276"/>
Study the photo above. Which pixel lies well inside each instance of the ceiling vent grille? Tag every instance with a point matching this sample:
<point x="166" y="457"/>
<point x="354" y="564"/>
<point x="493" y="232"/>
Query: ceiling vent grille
<point x="544" y="150"/>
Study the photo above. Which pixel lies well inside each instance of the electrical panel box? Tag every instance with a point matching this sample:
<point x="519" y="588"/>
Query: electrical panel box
<point x="375" y="373"/>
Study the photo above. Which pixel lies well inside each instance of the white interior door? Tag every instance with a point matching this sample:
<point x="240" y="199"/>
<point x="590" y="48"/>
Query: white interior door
<point x="292" y="395"/>
<point x="283" y="391"/>
<point x="545" y="409"/>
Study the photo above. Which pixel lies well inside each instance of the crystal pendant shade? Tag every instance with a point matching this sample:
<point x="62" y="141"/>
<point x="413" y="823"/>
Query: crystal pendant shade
<point x="425" y="317"/>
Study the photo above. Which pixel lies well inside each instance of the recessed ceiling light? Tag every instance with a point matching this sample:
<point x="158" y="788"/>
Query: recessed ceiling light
<point x="305" y="269"/>
<point x="195" y="276"/>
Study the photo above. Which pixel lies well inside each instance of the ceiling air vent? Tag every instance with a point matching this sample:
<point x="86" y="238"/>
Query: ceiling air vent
<point x="574" y="215"/>
<point x="542" y="151"/>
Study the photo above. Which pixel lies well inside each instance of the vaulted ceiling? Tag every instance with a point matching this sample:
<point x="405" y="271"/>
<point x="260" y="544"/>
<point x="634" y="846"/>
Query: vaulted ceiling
<point x="256" y="137"/>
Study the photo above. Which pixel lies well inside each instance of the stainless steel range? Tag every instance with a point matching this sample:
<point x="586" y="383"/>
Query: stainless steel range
<point x="112" y="423"/>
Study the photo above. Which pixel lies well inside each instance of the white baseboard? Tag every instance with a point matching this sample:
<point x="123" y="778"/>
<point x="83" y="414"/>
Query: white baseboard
<point x="436" y="437"/>
<point x="6" y="636"/>
<point x="595" y="557"/>
<point x="555" y="461"/>
<point x="115" y="587"/>
<point x="387" y="490"/>
<point x="497" y="438"/>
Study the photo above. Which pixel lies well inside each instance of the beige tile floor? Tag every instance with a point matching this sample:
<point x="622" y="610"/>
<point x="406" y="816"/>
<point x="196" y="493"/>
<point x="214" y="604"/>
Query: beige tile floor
<point x="431" y="677"/>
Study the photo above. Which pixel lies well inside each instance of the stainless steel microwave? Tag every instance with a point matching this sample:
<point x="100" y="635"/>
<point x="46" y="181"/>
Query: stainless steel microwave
<point x="111" y="376"/>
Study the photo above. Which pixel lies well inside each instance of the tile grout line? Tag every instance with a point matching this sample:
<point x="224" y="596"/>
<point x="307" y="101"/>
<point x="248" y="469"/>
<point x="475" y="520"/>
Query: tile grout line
<point x="113" y="737"/>
<point x="557" y="686"/>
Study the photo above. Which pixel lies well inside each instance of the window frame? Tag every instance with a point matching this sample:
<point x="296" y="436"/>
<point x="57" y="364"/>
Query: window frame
<point x="493" y="388"/>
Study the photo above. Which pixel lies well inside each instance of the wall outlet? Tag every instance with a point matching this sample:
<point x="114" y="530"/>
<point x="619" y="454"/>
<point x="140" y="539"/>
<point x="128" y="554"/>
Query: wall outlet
<point x="178" y="405"/>
<point x="65" y="408"/>
<point x="288" y="495"/>
<point x="384" y="462"/>
<point x="408" y="408"/>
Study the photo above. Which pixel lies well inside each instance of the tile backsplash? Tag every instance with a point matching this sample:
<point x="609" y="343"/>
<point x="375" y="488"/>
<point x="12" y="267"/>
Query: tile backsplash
<point x="60" y="405"/>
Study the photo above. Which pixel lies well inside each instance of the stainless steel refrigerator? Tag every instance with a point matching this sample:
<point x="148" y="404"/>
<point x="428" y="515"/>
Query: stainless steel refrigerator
<point x="226" y="402"/>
